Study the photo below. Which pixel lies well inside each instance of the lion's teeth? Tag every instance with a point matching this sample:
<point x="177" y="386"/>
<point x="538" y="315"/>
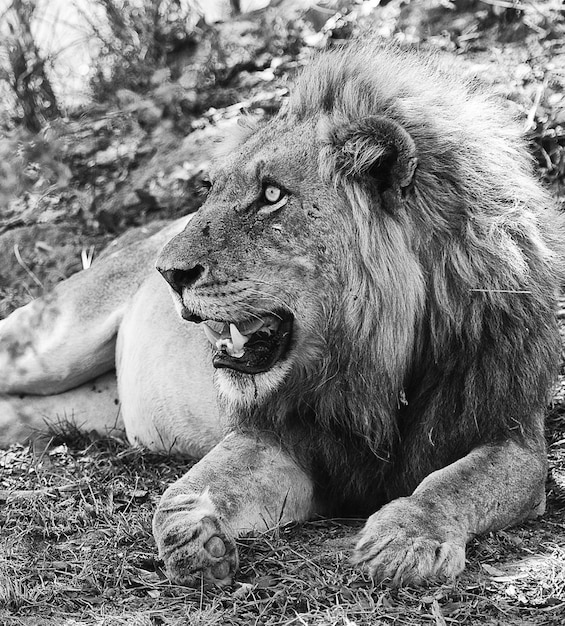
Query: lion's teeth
<point x="231" y="339"/>
<point x="211" y="334"/>
<point x="231" y="342"/>
<point x="238" y="341"/>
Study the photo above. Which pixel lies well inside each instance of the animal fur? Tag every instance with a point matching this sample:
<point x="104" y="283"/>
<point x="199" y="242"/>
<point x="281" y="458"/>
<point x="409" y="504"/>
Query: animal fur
<point x="442" y="335"/>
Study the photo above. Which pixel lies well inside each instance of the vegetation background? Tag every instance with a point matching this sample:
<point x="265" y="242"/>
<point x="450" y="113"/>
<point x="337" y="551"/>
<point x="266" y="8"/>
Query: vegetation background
<point x="109" y="111"/>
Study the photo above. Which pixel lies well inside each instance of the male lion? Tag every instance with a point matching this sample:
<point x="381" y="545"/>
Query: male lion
<point x="374" y="271"/>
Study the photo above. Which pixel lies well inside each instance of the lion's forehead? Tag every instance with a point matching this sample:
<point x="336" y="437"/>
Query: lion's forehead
<point x="277" y="150"/>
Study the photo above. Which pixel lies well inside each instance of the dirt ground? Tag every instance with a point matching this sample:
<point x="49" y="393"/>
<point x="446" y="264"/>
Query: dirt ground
<point x="75" y="512"/>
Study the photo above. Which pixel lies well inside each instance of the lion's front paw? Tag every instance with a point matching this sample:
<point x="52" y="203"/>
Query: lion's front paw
<point x="192" y="541"/>
<point x="401" y="545"/>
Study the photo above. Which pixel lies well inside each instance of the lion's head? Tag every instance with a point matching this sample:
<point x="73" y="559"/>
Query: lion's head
<point x="377" y="248"/>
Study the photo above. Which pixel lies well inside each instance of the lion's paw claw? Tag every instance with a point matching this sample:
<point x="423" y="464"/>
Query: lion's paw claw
<point x="414" y="561"/>
<point x="400" y="545"/>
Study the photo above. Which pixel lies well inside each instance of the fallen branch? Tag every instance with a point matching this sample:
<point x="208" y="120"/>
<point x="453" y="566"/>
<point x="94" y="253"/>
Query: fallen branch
<point x="7" y="495"/>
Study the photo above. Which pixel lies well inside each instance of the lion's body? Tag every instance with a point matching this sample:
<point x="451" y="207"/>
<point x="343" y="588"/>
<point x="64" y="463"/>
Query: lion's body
<point x="156" y="411"/>
<point x="379" y="267"/>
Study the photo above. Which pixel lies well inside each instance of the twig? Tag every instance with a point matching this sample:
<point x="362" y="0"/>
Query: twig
<point x="86" y="257"/>
<point x="522" y="291"/>
<point x="529" y="124"/>
<point x="439" y="619"/>
<point x="505" y="5"/>
<point x="24" y="265"/>
<point x="7" y="495"/>
<point x="11" y="224"/>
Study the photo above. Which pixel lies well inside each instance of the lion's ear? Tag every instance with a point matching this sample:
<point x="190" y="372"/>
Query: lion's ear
<point x="375" y="150"/>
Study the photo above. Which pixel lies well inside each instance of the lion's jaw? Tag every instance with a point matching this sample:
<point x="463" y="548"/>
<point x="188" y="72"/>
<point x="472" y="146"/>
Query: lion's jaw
<point x="256" y="345"/>
<point x="255" y="359"/>
<point x="248" y="338"/>
<point x="252" y="359"/>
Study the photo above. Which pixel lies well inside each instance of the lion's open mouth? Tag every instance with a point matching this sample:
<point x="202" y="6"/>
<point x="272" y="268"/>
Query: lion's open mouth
<point x="250" y="347"/>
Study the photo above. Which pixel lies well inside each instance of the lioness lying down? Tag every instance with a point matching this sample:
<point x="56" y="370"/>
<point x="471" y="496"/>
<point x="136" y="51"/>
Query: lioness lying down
<point x="361" y="322"/>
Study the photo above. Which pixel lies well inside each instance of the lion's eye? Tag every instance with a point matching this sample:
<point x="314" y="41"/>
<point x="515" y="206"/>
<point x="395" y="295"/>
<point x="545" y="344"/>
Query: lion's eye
<point x="273" y="198"/>
<point x="272" y="194"/>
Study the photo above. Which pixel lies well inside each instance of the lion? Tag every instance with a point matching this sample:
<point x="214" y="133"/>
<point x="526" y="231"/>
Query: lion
<point x="361" y="323"/>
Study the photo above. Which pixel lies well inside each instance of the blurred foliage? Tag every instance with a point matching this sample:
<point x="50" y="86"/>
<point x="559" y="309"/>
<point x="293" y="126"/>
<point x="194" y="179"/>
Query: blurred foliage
<point x="141" y="37"/>
<point x="23" y="69"/>
<point x="31" y="162"/>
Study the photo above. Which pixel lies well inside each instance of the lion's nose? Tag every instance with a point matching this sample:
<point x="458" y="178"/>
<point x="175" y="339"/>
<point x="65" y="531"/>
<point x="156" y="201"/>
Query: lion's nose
<point x="179" y="279"/>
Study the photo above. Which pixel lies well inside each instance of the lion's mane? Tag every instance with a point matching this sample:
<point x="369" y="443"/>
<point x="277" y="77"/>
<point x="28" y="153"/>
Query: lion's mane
<point x="444" y="336"/>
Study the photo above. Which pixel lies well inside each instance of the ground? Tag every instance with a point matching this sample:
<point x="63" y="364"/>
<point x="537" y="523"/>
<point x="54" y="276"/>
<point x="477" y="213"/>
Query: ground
<point x="78" y="549"/>
<point x="75" y="511"/>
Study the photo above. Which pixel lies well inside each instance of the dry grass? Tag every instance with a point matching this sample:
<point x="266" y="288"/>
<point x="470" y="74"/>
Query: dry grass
<point x="75" y="528"/>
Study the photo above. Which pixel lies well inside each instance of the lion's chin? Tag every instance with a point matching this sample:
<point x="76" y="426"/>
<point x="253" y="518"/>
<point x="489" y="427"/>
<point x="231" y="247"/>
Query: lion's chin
<point x="238" y="391"/>
<point x="250" y="347"/>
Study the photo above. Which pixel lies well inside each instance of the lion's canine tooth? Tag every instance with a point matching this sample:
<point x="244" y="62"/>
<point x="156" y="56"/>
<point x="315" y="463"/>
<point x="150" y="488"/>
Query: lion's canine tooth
<point x="211" y="334"/>
<point x="238" y="341"/>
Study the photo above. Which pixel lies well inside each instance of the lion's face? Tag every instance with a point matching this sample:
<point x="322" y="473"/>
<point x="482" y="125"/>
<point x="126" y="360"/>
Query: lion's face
<point x="256" y="266"/>
<point x="293" y="264"/>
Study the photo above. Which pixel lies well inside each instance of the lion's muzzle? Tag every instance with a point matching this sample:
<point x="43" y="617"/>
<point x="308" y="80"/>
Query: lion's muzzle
<point x="246" y="337"/>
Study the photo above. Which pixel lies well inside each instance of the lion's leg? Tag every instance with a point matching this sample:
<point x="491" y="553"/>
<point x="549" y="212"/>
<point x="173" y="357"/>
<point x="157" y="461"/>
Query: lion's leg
<point x="244" y="483"/>
<point x="90" y="407"/>
<point x="68" y="336"/>
<point x="422" y="537"/>
<point x="58" y="341"/>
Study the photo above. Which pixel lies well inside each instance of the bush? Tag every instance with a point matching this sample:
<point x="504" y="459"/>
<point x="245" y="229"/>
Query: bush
<point x="136" y="42"/>
<point x="22" y="69"/>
